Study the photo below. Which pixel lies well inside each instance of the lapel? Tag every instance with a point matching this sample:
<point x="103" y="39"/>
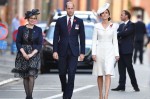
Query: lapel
<point x="74" y="23"/>
<point x="125" y="27"/>
<point x="122" y="26"/>
<point x="34" y="31"/>
<point x="65" y="24"/>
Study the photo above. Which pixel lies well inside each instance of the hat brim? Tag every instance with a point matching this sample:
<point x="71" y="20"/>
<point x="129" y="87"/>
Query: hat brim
<point x="31" y="15"/>
<point x="103" y="8"/>
<point x="28" y="14"/>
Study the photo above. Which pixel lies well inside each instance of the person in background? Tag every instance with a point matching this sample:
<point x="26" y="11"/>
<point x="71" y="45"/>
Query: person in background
<point x="148" y="34"/>
<point x="14" y="26"/>
<point x="68" y="31"/>
<point x="3" y="39"/>
<point x="126" y="34"/>
<point x="140" y="31"/>
<point x="29" y="43"/>
<point x="105" y="50"/>
<point x="22" y="21"/>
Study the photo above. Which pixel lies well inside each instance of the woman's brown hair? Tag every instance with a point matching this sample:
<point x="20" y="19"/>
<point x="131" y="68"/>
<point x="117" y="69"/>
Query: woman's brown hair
<point x="108" y="13"/>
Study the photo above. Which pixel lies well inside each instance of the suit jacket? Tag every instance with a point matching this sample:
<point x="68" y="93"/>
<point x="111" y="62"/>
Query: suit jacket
<point x="62" y="39"/>
<point x="126" y="38"/>
<point x="140" y="31"/>
<point x="37" y="37"/>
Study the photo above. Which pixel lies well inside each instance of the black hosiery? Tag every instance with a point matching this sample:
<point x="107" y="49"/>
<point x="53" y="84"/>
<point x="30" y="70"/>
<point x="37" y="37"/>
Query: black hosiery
<point x="31" y="85"/>
<point x="26" y="85"/>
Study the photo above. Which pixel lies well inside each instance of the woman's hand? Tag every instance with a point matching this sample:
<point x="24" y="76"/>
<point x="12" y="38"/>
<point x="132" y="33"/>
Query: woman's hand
<point x="30" y="55"/>
<point x="26" y="56"/>
<point x="117" y="58"/>
<point x="94" y="57"/>
<point x="33" y="53"/>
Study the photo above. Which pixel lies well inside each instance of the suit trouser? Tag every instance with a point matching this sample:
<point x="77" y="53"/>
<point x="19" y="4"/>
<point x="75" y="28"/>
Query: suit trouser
<point x="67" y="64"/>
<point x="138" y="48"/>
<point x="125" y="62"/>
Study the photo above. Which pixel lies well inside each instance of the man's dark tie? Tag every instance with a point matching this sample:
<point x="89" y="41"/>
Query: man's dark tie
<point x="69" y="25"/>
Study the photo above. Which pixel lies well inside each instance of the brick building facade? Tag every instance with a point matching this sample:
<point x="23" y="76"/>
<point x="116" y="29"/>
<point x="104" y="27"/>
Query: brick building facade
<point x="47" y="7"/>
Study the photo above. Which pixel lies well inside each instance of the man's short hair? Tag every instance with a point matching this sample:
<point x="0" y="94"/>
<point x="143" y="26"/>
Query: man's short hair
<point x="68" y="3"/>
<point x="127" y="13"/>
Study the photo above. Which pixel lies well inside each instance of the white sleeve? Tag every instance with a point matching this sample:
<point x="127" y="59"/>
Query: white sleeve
<point x="115" y="40"/>
<point x="94" y="41"/>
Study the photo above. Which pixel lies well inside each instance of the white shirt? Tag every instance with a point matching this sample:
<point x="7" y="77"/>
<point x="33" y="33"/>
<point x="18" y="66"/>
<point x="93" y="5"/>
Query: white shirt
<point x="72" y="18"/>
<point x="126" y="22"/>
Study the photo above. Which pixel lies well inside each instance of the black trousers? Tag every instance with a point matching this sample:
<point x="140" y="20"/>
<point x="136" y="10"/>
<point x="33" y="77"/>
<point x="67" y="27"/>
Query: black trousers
<point x="125" y="63"/>
<point x="67" y="64"/>
<point x="138" y="48"/>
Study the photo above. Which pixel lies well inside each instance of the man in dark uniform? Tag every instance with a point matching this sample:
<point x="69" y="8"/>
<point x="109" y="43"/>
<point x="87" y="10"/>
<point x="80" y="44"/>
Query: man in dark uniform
<point x="140" y="31"/>
<point x="68" y="30"/>
<point x="126" y="33"/>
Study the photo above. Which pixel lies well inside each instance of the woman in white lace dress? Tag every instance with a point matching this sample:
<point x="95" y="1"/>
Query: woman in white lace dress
<point x="104" y="50"/>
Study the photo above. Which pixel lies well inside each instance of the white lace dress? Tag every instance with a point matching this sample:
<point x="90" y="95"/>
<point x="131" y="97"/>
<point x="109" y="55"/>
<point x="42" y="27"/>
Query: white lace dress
<point x="105" y="47"/>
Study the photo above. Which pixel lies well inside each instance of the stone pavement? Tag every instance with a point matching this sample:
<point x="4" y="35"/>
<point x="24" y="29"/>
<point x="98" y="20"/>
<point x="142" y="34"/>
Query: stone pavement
<point x="142" y="74"/>
<point x="6" y="65"/>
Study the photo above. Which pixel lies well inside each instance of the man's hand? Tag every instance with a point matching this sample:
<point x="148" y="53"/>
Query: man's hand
<point x="55" y="55"/>
<point x="94" y="57"/>
<point x="81" y="57"/>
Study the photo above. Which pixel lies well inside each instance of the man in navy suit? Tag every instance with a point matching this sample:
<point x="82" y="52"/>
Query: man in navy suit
<point x="68" y="31"/>
<point x="126" y="32"/>
<point x="140" y="31"/>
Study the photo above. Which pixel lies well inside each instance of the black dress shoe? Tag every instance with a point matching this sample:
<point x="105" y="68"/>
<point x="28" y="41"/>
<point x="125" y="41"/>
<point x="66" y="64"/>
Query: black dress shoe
<point x="137" y="89"/>
<point x="29" y="97"/>
<point x="65" y="98"/>
<point x="119" y="89"/>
